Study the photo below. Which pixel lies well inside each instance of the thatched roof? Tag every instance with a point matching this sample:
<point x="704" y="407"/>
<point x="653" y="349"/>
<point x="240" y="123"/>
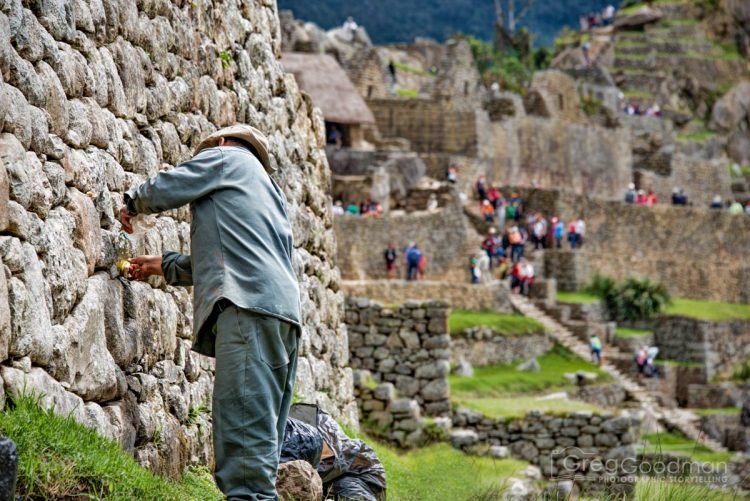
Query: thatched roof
<point x="330" y="89"/>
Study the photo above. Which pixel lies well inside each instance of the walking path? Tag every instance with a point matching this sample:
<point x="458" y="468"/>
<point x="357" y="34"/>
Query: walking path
<point x="681" y="419"/>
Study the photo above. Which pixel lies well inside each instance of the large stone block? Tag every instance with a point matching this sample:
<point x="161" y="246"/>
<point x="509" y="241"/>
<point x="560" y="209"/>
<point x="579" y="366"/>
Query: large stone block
<point x="52" y="394"/>
<point x="4" y="195"/>
<point x="86" y="235"/>
<point x="81" y="357"/>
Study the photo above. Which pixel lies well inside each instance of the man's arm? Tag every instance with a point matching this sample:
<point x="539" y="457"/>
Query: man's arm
<point x="177" y="268"/>
<point x="185" y="183"/>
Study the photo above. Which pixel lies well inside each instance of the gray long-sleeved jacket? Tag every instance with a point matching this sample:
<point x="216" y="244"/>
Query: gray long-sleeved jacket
<point x="240" y="237"/>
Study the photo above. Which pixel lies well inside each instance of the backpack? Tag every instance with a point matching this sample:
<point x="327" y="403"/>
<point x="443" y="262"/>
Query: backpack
<point x="414" y="257"/>
<point x="510" y="211"/>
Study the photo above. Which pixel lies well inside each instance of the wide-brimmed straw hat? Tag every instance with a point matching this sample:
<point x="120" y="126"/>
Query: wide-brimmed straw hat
<point x="246" y="133"/>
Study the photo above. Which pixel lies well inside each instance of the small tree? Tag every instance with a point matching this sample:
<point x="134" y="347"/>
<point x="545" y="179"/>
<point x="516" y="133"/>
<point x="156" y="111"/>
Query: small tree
<point x="506" y="20"/>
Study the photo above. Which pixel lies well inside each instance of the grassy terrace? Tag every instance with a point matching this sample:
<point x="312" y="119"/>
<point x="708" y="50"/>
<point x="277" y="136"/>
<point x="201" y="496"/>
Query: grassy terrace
<point x="626" y="332"/>
<point x="505" y="324"/>
<point x="501" y="390"/>
<point x="576" y="298"/>
<point x="60" y="459"/>
<point x="708" y="310"/>
<point x="672" y="443"/>
<point x="728" y="411"/>
<point x="692" y="308"/>
<point x="442" y="472"/>
<point x="518" y="406"/>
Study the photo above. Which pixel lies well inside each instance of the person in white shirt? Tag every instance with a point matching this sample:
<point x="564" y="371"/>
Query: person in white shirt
<point x="580" y="230"/>
<point x="338" y="208"/>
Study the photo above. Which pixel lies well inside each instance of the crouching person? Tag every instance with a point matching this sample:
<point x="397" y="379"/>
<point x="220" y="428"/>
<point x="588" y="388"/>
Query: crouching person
<point x="246" y="297"/>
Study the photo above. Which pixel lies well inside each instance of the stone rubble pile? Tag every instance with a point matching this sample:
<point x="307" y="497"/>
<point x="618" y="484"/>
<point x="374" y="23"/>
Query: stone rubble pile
<point x="95" y="96"/>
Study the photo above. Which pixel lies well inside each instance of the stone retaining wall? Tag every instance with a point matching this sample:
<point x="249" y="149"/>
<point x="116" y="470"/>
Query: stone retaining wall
<point x="406" y="345"/>
<point x="482" y="346"/>
<point x="718" y="345"/>
<point x="95" y="96"/>
<point x="545" y="440"/>
<point x="697" y="252"/>
<point x="491" y="296"/>
<point x="445" y="237"/>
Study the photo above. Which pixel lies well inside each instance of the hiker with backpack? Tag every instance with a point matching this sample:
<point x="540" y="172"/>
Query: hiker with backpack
<point x="413" y="258"/>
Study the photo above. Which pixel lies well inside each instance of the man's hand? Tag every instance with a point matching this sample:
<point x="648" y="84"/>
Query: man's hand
<point x="125" y="219"/>
<point x="142" y="267"/>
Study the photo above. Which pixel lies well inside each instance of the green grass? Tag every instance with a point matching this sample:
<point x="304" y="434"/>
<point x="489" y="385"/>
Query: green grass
<point x="673" y="443"/>
<point x="505" y="380"/>
<point x="626" y="332"/>
<point x="729" y="411"/>
<point x="697" y="136"/>
<point x="518" y="406"/>
<point x="61" y="459"/>
<point x="505" y="324"/>
<point x="576" y="298"/>
<point x="681" y="22"/>
<point x="409" y="93"/>
<point x="649" y="489"/>
<point x="708" y="310"/>
<point x="442" y="472"/>
<point x="411" y="69"/>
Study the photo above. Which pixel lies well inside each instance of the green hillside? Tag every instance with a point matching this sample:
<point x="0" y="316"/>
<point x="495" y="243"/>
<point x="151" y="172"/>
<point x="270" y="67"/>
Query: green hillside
<point x="389" y="21"/>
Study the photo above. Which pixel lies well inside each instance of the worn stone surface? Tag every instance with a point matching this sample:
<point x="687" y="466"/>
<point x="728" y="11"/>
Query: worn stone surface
<point x="95" y="97"/>
<point x="298" y="481"/>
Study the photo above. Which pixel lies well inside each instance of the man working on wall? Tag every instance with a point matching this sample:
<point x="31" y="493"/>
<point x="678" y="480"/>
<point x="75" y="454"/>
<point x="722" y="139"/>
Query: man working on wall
<point x="246" y="297"/>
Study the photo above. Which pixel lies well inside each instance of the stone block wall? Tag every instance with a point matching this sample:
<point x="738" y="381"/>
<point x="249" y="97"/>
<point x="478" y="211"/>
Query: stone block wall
<point x="549" y="152"/>
<point x="406" y="345"/>
<point x="430" y="125"/>
<point x="697" y="252"/>
<point x="95" y="96"/>
<point x="445" y="237"/>
<point x="491" y="296"/>
<point x="720" y="346"/>
<point x="482" y="346"/>
<point x="386" y="415"/>
<point x="545" y="440"/>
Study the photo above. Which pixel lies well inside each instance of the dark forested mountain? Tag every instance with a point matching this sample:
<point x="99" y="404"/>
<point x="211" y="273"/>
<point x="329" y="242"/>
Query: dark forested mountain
<point x="389" y="21"/>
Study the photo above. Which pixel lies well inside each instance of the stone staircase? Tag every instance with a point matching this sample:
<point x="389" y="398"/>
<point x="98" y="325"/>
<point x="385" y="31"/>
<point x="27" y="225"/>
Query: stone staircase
<point x="665" y="53"/>
<point x="682" y="420"/>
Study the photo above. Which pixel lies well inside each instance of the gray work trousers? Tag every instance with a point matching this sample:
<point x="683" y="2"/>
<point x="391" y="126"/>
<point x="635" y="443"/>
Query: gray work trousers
<point x="256" y="361"/>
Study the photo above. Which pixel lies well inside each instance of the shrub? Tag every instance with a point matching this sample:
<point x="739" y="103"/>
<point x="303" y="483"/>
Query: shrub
<point x="634" y="299"/>
<point x="641" y="299"/>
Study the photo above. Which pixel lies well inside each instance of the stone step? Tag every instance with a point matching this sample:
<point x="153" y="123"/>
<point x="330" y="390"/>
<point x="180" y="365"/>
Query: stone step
<point x="684" y="32"/>
<point x="680" y="419"/>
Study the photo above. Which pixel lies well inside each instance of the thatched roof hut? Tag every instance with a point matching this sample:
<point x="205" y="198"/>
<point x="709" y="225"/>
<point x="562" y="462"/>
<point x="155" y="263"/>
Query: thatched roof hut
<point x="321" y="76"/>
